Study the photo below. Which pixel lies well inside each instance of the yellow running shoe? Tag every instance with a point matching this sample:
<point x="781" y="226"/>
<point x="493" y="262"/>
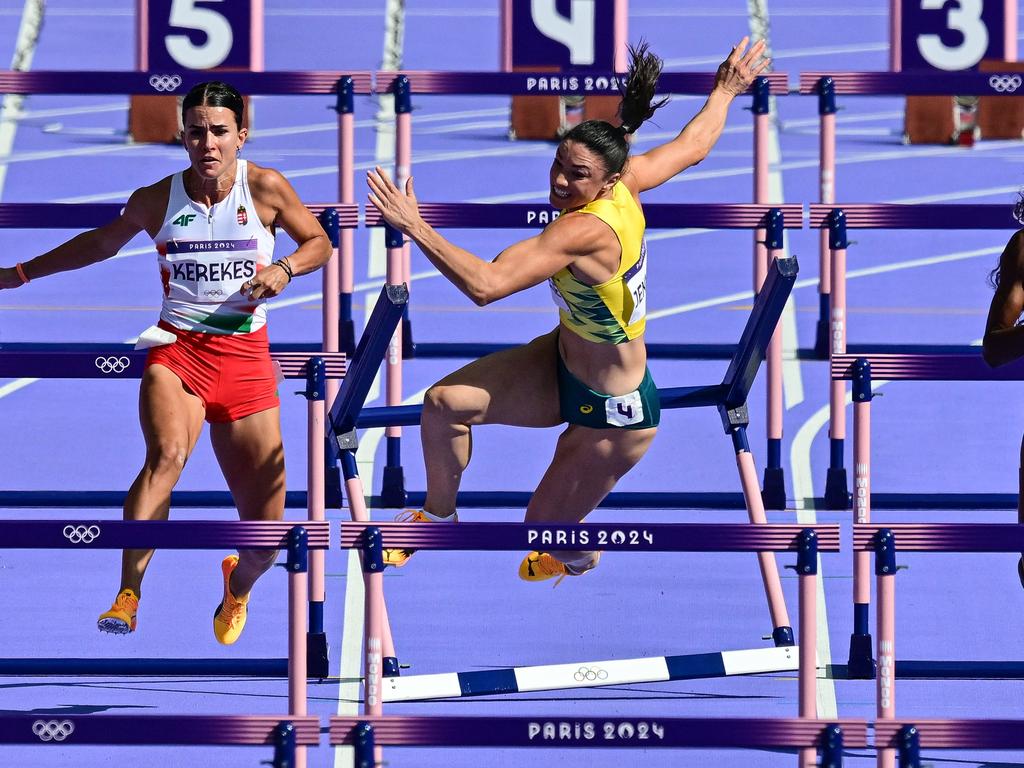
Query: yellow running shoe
<point x="229" y="618"/>
<point x="540" y="566"/>
<point x="120" y="619"/>
<point x="399" y="557"/>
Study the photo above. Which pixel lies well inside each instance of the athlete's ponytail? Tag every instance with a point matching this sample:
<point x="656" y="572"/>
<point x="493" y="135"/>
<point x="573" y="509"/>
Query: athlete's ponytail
<point x="609" y="141"/>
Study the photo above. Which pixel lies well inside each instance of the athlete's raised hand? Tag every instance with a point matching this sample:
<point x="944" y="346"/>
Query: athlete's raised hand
<point x="398" y="208"/>
<point x="739" y="69"/>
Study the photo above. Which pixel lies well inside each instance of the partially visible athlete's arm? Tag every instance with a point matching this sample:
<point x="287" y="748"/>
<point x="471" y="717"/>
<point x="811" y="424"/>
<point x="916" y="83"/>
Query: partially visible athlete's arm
<point x="273" y="190"/>
<point x="1004" y="339"/>
<point x="519" y="266"/>
<point x="92" y="246"/>
<point x="735" y="74"/>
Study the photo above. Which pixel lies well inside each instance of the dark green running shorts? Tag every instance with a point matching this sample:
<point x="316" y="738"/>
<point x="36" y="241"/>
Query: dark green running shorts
<point x="580" y="404"/>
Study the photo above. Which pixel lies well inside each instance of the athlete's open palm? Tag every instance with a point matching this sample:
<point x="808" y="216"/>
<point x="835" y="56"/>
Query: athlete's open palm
<point x="398" y="208"/>
<point x="738" y="71"/>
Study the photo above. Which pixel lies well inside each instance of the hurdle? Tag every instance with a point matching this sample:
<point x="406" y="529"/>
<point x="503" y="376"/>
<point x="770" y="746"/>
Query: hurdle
<point x="828" y="737"/>
<point x="861" y="369"/>
<point x="884" y="541"/>
<point x="728" y="397"/>
<point x="908" y="738"/>
<point x="837" y="219"/>
<point x="297" y="538"/>
<point x="826" y="85"/>
<point x="371" y="539"/>
<point x="285" y="734"/>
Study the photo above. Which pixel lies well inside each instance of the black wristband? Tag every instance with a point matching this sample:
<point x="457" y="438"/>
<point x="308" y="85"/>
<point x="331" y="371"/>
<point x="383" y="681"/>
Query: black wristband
<point x="283" y="264"/>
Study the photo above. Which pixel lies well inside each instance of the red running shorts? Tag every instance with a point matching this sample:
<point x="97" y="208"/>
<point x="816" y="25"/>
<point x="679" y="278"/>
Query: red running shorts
<point x="232" y="375"/>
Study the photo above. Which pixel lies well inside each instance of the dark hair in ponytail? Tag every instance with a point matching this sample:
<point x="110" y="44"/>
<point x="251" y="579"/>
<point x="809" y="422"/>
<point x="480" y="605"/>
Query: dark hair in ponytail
<point x="609" y="141"/>
<point x="1018" y="214"/>
<point x="214" y="93"/>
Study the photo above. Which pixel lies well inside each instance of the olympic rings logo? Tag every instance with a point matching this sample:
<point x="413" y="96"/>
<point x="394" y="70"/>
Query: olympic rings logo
<point x="1005" y="83"/>
<point x="53" y="730"/>
<point x="81" y="534"/>
<point x="213" y="293"/>
<point x="113" y="364"/>
<point x="165" y="82"/>
<point x="590" y="674"/>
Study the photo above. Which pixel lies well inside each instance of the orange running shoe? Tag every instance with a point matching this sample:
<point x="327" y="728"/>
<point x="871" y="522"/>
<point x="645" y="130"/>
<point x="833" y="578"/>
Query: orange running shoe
<point x="540" y="566"/>
<point x="399" y="557"/>
<point x="120" y="619"/>
<point x="229" y="618"/>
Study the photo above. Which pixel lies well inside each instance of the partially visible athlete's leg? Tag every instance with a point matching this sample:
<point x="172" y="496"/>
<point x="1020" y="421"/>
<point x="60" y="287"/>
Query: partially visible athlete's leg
<point x="586" y="466"/>
<point x="172" y="420"/>
<point x="516" y="386"/>
<point x="251" y="456"/>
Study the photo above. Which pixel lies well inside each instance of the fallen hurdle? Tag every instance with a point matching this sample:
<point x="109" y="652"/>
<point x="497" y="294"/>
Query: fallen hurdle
<point x="728" y="397"/>
<point x="371" y="539"/>
<point x="774" y="220"/>
<point x="837" y="219"/>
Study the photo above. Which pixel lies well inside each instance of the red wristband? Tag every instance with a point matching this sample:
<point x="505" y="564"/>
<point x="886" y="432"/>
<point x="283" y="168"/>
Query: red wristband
<point x="21" y="273"/>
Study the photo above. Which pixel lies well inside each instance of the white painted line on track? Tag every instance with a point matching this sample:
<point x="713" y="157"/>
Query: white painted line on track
<point x="825" y="690"/>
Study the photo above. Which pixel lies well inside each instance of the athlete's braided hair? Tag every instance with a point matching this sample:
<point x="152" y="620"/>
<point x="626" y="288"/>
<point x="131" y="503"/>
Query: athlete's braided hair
<point x="609" y="141"/>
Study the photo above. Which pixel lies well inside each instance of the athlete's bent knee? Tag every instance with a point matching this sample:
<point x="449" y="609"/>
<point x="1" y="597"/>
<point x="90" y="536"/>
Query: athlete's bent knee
<point x="167" y="458"/>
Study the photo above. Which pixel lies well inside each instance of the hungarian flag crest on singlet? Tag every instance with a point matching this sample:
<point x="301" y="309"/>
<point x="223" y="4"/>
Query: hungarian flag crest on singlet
<point x="242" y="216"/>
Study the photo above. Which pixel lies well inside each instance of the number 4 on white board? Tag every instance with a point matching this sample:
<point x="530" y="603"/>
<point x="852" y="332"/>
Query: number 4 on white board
<point x="215" y="26"/>
<point x="576" y="33"/>
<point x="965" y="19"/>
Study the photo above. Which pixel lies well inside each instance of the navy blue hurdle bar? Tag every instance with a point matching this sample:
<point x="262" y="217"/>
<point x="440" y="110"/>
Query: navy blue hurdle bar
<point x="806" y="541"/>
<point x="829" y="738"/>
<point x="284" y="733"/>
<point x="297" y="538"/>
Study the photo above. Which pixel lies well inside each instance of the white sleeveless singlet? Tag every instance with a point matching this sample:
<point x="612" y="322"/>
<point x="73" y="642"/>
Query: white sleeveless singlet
<point x="206" y="254"/>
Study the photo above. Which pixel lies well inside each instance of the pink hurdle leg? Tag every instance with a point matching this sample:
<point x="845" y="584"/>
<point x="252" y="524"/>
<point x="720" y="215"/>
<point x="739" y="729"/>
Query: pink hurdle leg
<point x="860" y="663"/>
<point x="827" y="194"/>
<point x="807" y="568"/>
<point x="373" y="580"/>
<point x="357" y="508"/>
<point x="885" y="569"/>
<point x="297" y="597"/>
<point x="765" y="560"/>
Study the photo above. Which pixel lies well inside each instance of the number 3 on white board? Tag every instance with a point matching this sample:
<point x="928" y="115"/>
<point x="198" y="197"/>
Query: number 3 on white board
<point x="217" y="29"/>
<point x="967" y="21"/>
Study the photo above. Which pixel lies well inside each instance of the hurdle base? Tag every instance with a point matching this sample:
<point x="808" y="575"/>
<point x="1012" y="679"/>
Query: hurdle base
<point x="836" y="494"/>
<point x="773" y="493"/>
<point x="861" y="664"/>
<point x="392" y="492"/>
<point x="316" y="655"/>
<point x="783" y="637"/>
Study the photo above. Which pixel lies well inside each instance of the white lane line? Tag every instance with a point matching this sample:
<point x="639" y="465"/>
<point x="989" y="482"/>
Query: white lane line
<point x="825" y="690"/>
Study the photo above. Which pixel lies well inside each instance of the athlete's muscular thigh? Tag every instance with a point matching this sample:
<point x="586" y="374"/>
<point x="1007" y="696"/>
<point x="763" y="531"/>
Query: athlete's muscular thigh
<point x="517" y="386"/>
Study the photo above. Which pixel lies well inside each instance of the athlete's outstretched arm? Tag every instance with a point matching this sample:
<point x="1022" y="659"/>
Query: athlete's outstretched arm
<point x="88" y="247"/>
<point x="516" y="268"/>
<point x="694" y="142"/>
<point x="1004" y="339"/>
